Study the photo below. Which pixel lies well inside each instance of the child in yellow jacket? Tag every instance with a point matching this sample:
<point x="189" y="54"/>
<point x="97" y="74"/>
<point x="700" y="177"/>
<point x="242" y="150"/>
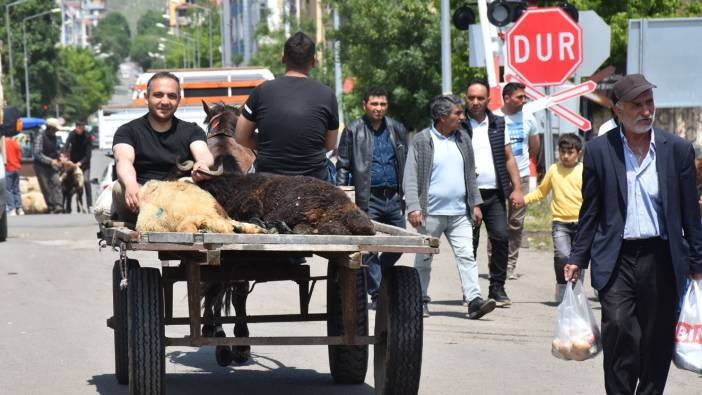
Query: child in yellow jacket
<point x="565" y="181"/>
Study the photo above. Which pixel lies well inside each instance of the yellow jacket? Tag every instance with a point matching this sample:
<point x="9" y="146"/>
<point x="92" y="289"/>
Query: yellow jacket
<point x="566" y="184"/>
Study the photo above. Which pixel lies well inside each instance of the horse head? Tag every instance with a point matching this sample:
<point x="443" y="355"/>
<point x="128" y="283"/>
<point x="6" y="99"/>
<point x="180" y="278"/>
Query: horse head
<point x="221" y="122"/>
<point x="220" y="119"/>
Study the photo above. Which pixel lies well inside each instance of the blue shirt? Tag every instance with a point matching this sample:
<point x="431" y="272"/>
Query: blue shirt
<point x="644" y="209"/>
<point x="447" y="191"/>
<point x="383" y="172"/>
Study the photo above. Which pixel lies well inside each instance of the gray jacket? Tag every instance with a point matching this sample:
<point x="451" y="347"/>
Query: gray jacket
<point x="418" y="171"/>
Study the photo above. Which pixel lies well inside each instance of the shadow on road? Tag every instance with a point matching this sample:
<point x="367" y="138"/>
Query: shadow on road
<point x="269" y="377"/>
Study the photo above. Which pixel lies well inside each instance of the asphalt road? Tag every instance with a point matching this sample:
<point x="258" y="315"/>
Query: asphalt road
<point x="56" y="296"/>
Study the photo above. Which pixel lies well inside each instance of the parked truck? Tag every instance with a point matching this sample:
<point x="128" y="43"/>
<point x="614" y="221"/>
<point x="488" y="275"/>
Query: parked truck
<point x="227" y="85"/>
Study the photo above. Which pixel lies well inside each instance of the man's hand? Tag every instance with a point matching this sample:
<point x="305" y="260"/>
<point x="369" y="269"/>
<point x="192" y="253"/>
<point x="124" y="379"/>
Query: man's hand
<point x="571" y="272"/>
<point x="197" y="175"/>
<point x="517" y="198"/>
<point x="415" y="218"/>
<point x="131" y="196"/>
<point x="477" y="216"/>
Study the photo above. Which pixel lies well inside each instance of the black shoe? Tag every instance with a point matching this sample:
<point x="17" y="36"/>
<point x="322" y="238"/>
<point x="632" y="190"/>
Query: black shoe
<point x="479" y="307"/>
<point x="500" y="296"/>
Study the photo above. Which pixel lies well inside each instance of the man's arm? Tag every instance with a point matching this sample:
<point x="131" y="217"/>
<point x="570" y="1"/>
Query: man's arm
<point x="690" y="216"/>
<point x="244" y="133"/>
<point x="411" y="188"/>
<point x="85" y="162"/>
<point x="516" y="196"/>
<point x="343" y="157"/>
<point x="534" y="147"/>
<point x="587" y="221"/>
<point x="126" y="173"/>
<point x="203" y="159"/>
<point x="330" y="140"/>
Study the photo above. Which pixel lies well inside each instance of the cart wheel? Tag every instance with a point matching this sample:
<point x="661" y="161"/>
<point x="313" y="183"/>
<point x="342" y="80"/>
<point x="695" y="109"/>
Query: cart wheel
<point x="119" y="309"/>
<point x="147" y="366"/>
<point x="398" y="333"/>
<point x="348" y="364"/>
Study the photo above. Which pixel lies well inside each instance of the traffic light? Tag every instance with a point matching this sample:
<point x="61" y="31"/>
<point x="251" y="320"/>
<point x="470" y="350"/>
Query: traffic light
<point x="463" y="17"/>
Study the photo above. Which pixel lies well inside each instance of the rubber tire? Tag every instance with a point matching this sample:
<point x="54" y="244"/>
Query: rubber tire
<point x="347" y="364"/>
<point x="398" y="333"/>
<point x="119" y="314"/>
<point x="3" y="225"/>
<point x="147" y="361"/>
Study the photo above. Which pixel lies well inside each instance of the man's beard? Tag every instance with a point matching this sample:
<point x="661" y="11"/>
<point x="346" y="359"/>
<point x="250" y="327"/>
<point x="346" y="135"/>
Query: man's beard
<point x="636" y="129"/>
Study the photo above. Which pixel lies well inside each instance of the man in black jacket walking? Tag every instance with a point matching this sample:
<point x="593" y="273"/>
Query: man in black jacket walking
<point x="496" y="168"/>
<point x="371" y="157"/>
<point x="79" y="151"/>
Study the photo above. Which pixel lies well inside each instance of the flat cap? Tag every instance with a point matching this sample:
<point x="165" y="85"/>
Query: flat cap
<point x="629" y="87"/>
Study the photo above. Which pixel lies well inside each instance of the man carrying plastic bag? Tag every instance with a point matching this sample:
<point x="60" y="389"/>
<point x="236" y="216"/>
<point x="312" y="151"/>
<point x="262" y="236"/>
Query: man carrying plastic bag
<point x="639" y="209"/>
<point x="688" y="332"/>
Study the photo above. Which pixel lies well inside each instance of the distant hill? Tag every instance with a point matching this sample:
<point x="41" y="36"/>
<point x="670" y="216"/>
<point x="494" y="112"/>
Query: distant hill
<point x="133" y="9"/>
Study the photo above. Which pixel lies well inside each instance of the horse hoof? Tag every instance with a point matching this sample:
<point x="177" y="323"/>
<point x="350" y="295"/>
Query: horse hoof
<point x="209" y="330"/>
<point x="224" y="355"/>
<point x="241" y="354"/>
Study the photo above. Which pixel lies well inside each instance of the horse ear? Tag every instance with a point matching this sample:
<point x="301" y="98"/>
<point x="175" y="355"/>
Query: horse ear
<point x="206" y="107"/>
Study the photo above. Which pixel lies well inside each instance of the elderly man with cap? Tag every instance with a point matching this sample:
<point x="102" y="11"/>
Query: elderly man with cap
<point x="46" y="165"/>
<point x="639" y="227"/>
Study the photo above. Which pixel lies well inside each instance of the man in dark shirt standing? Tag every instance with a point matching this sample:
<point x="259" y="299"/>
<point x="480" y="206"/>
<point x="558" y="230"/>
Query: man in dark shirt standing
<point x="148" y="147"/>
<point x="46" y="164"/>
<point x="79" y="149"/>
<point x="297" y="117"/>
<point x="371" y="157"/>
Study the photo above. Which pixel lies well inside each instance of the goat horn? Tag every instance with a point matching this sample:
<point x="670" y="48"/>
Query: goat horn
<point x="185" y="166"/>
<point x="213" y="173"/>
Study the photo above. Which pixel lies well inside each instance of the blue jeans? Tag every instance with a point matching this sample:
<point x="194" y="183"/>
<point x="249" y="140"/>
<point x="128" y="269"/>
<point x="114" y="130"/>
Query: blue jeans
<point x="459" y="232"/>
<point x="14" y="199"/>
<point x="387" y="211"/>
<point x="563" y="234"/>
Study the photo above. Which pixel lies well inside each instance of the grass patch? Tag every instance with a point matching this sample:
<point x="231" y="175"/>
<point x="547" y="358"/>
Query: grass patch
<point x="537" y="226"/>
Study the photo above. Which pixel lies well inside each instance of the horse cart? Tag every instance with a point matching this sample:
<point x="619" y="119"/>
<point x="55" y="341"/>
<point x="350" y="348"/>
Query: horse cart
<point x="143" y="300"/>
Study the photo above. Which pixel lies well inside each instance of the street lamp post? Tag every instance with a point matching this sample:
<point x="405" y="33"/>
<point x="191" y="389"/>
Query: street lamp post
<point x="209" y="28"/>
<point x="9" y="39"/>
<point x="24" y="42"/>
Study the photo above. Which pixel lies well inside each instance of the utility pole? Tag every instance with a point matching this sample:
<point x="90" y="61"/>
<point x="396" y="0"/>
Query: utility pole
<point x="246" y="30"/>
<point x="226" y="33"/>
<point x="446" y="87"/>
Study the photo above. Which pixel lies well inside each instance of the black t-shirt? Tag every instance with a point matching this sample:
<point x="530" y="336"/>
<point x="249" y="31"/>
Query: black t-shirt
<point x="293" y="116"/>
<point x="156" y="153"/>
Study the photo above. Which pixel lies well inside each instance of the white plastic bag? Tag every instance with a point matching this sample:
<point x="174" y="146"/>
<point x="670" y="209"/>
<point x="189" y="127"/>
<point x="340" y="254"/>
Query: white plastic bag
<point x="103" y="207"/>
<point x="577" y="333"/>
<point x="688" y="332"/>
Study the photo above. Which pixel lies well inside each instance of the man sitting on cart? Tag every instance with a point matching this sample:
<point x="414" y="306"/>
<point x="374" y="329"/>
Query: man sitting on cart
<point x="148" y="147"/>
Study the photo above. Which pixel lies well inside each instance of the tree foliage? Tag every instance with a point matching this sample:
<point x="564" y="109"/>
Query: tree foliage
<point x="85" y="82"/>
<point x="397" y="48"/>
<point x="196" y="46"/>
<point x="148" y="23"/>
<point x="42" y="33"/>
<point x="618" y="13"/>
<point x="112" y="38"/>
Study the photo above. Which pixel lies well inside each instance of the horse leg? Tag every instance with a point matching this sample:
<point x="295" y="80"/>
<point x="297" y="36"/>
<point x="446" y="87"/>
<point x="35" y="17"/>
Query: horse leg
<point x="241" y="329"/>
<point x="214" y="294"/>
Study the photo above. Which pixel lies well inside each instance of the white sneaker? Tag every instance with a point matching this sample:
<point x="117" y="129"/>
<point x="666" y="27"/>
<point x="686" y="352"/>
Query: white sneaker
<point x="20" y="211"/>
<point x="11" y="213"/>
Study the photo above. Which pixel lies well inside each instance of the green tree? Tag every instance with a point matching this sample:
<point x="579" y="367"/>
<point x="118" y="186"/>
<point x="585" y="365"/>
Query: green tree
<point x="397" y="48"/>
<point x="112" y="38"/>
<point x="196" y="46"/>
<point x="84" y="82"/>
<point x="42" y="34"/>
<point x="143" y="48"/>
<point x="148" y="23"/>
<point x="618" y="13"/>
